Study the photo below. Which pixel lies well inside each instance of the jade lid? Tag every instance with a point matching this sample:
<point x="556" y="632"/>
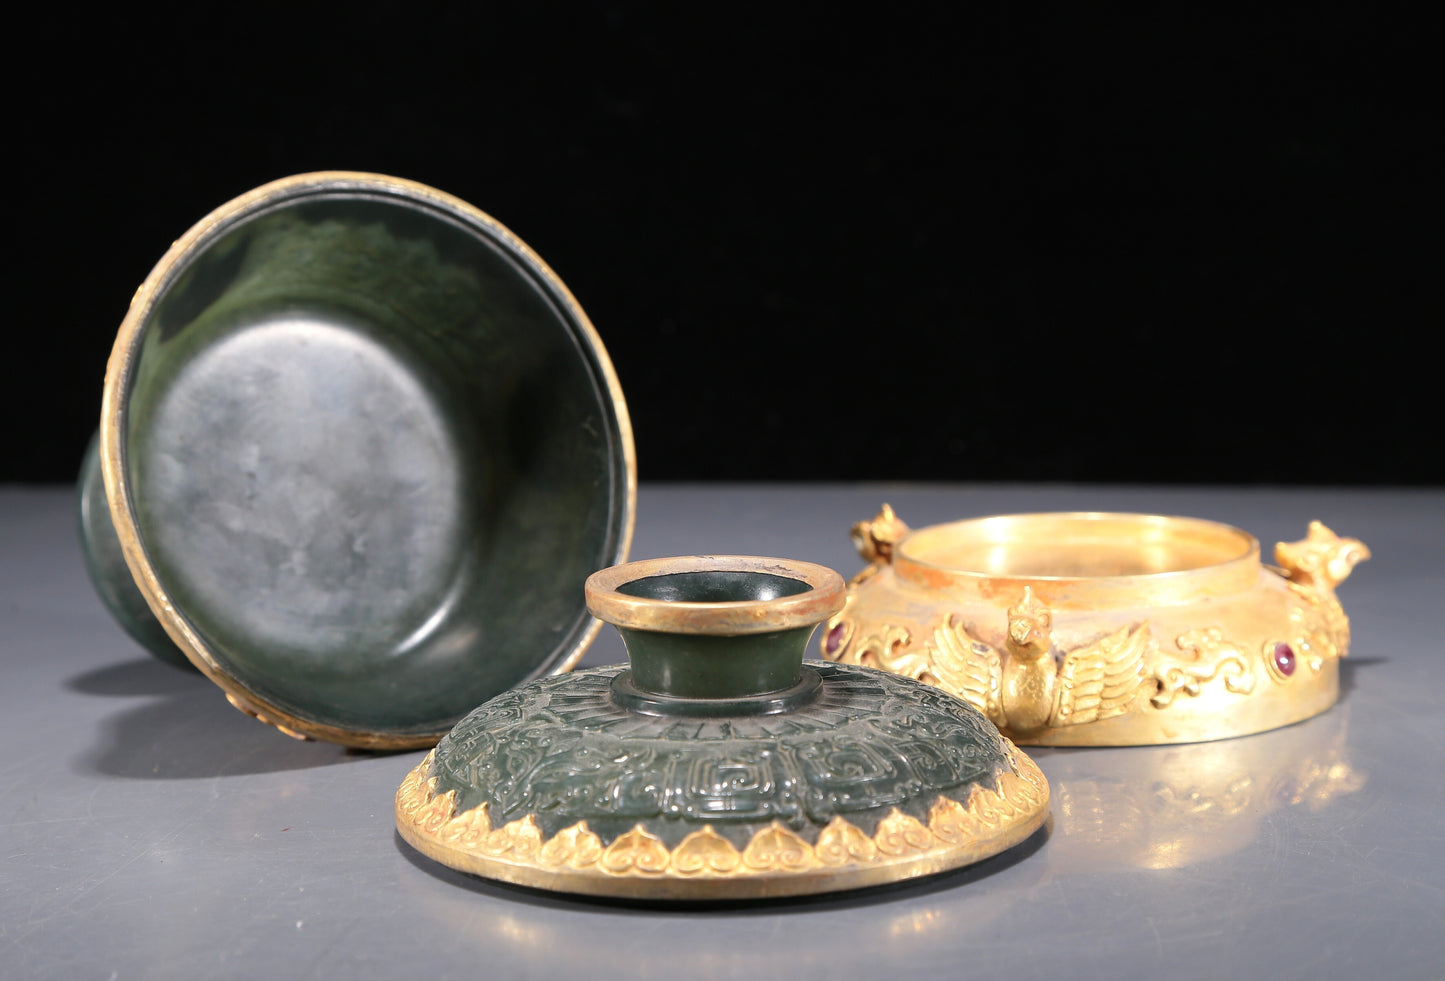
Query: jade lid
<point x="718" y="764"/>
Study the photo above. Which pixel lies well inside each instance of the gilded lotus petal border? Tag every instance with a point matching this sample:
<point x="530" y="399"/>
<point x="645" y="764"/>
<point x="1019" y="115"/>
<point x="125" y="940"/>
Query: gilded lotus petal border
<point x="706" y="865"/>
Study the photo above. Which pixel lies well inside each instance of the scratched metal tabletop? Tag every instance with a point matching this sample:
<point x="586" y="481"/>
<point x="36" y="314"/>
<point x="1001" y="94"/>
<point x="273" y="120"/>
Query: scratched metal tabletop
<point x="147" y="830"/>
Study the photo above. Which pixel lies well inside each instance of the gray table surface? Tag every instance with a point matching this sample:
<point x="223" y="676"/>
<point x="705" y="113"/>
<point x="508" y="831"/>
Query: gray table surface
<point x="147" y="830"/>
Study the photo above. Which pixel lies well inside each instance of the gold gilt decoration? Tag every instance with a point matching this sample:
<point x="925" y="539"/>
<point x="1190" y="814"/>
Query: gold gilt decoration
<point x="1321" y="560"/>
<point x="888" y="648"/>
<point x="1315" y="566"/>
<point x="637" y="852"/>
<point x="875" y="539"/>
<point x="777" y="861"/>
<point x="840" y="842"/>
<point x="1023" y="688"/>
<point x="1102" y="629"/>
<point x="1214" y="657"/>
<point x="576" y="846"/>
<point x="245" y="709"/>
<point x="705" y="851"/>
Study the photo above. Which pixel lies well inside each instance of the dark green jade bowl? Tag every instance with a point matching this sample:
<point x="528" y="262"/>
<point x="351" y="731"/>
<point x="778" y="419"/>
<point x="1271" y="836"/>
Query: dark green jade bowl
<point x="105" y="562"/>
<point x="718" y="764"/>
<point x="359" y="448"/>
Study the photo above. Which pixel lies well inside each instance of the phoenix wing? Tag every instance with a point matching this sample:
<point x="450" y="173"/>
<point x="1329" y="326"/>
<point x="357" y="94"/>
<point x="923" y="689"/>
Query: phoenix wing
<point x="1102" y="679"/>
<point x="967" y="667"/>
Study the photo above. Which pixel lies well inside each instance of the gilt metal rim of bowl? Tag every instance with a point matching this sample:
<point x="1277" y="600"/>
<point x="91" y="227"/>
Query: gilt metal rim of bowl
<point x="1027" y="529"/>
<point x="824" y="597"/>
<point x="1204" y="647"/>
<point x="121" y="365"/>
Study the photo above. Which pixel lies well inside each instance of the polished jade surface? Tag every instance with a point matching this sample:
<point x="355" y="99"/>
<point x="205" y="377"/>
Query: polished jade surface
<point x="704" y="666"/>
<point x="860" y="745"/>
<point x="372" y="457"/>
<point x="108" y="572"/>
<point x="751" y="738"/>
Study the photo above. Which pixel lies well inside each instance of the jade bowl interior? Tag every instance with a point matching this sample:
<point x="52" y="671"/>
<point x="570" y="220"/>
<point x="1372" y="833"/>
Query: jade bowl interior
<point x="367" y="448"/>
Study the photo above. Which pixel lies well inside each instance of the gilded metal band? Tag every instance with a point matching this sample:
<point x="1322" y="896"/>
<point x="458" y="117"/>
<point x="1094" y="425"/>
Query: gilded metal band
<point x="1082" y="560"/>
<point x="824" y="597"/>
<point x="1097" y="630"/>
<point x="122" y="363"/>
<point x="705" y="865"/>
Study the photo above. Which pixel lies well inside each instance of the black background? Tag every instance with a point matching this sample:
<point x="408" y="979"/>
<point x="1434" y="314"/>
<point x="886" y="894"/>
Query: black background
<point x="947" y="243"/>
